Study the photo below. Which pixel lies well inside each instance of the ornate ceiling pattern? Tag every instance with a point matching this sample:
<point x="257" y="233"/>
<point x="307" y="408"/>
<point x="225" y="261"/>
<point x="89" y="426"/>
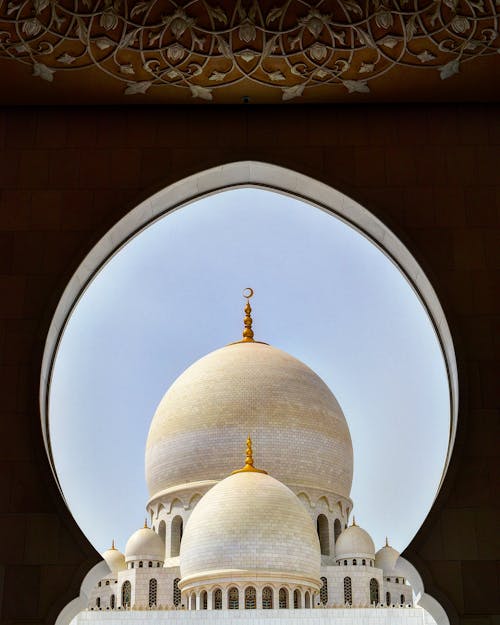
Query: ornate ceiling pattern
<point x="205" y="46"/>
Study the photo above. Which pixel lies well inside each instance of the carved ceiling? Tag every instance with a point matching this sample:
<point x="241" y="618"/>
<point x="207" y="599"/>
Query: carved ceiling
<point x="112" y="51"/>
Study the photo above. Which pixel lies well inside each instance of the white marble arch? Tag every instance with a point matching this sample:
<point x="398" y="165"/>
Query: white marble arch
<point x="273" y="178"/>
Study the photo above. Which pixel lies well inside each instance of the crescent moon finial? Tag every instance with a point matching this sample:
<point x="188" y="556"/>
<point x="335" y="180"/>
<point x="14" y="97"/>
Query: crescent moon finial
<point x="247" y="321"/>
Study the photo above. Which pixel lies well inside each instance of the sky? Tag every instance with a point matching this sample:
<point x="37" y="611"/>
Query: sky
<point x="323" y="292"/>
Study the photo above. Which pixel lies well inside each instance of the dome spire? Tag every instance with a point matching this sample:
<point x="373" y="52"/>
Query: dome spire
<point x="247" y="331"/>
<point x="249" y="461"/>
<point x="386" y="541"/>
<point x="354" y="520"/>
<point x="145" y="523"/>
<point x="113" y="548"/>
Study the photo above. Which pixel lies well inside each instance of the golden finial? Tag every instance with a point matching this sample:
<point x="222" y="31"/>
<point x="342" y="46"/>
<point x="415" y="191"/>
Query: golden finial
<point x="248" y="332"/>
<point x="386" y="541"/>
<point x="113" y="548"/>
<point x="145" y="523"/>
<point x="249" y="461"/>
<point x="354" y="521"/>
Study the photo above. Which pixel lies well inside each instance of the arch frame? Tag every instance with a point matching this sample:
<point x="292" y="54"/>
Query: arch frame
<point x="271" y="177"/>
<point x="245" y="174"/>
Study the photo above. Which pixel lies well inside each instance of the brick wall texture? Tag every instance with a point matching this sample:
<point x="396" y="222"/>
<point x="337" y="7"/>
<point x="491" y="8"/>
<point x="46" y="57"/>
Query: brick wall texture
<point x="431" y="173"/>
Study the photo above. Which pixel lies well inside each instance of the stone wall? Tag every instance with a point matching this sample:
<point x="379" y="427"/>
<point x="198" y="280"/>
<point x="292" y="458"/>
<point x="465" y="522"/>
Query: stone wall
<point x="68" y="174"/>
<point x="368" y="616"/>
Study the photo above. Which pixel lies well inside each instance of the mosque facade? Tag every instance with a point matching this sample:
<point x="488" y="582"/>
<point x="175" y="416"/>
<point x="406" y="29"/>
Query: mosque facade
<point x="275" y="534"/>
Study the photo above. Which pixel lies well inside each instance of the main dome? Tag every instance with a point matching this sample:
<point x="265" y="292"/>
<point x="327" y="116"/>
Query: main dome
<point x="249" y="388"/>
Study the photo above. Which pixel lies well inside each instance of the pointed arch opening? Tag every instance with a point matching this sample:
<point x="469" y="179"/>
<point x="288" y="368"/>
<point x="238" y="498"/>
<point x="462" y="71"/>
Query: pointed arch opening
<point x="283" y="598"/>
<point x="297" y="599"/>
<point x="267" y="598"/>
<point x="374" y="591"/>
<point x="217" y="599"/>
<point x="323" y="530"/>
<point x="262" y="176"/>
<point x="233" y="598"/>
<point x="347" y="591"/>
<point x="250" y="598"/>
<point x="126" y="594"/>
<point x="176" y="531"/>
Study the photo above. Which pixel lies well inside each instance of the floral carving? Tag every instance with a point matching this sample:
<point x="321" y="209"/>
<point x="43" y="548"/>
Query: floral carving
<point x="202" y="46"/>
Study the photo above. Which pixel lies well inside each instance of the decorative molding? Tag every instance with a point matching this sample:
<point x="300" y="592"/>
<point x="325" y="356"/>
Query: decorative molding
<point x="205" y="46"/>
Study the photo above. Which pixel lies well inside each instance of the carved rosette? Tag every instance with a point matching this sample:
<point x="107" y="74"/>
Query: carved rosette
<point x="205" y="46"/>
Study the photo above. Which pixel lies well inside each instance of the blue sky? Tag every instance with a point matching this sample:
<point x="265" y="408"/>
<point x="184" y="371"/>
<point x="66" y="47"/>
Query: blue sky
<point x="323" y="293"/>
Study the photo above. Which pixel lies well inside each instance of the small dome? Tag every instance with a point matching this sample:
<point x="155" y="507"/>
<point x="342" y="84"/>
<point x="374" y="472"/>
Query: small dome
<point x="354" y="542"/>
<point x="250" y="523"/>
<point x="386" y="559"/>
<point x="114" y="559"/>
<point x="145" y="544"/>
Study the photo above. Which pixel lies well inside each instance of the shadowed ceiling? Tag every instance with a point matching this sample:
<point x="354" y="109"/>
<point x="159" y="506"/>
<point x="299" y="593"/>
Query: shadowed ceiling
<point x="112" y="52"/>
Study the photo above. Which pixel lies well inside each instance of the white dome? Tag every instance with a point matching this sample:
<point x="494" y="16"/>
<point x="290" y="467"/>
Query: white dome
<point x="145" y="544"/>
<point x="296" y="423"/>
<point x="386" y="559"/>
<point x="115" y="560"/>
<point x="250" y="524"/>
<point x="354" y="542"/>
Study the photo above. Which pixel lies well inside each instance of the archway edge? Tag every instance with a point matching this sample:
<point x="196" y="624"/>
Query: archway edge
<point x="236" y="175"/>
<point x="265" y="176"/>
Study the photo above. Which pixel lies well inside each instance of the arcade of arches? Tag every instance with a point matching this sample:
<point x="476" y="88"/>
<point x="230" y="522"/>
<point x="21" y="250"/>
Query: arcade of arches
<point x="430" y="173"/>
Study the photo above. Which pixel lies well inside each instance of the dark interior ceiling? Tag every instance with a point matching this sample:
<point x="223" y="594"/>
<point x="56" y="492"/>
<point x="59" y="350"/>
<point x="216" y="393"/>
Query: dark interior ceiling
<point x="113" y="52"/>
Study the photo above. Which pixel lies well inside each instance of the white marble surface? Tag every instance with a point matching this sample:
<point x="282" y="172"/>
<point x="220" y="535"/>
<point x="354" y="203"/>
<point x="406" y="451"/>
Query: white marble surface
<point x="341" y="616"/>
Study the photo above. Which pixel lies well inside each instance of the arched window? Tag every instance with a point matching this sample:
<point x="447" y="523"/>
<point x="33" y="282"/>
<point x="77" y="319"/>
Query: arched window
<point x="150" y="564"/>
<point x="107" y="582"/>
<point x="250" y="598"/>
<point x="140" y="564"/>
<point x="157" y="565"/>
<point x="112" y="601"/>
<point x="345" y="562"/>
<point x="217" y="599"/>
<point x="387" y="598"/>
<point x="192" y="601"/>
<point x="233" y="598"/>
<point x="347" y="591"/>
<point x="177" y="592"/>
<point x="296" y="599"/>
<point x="267" y="598"/>
<point x="98" y="602"/>
<point x="307" y="600"/>
<point x="162" y="531"/>
<point x="131" y="565"/>
<point x="153" y="590"/>
<point x="323" y="534"/>
<point x="204" y="600"/>
<point x="337" y="529"/>
<point x="176" y="535"/>
<point x="402" y="599"/>
<point x="374" y="596"/>
<point x="397" y="580"/>
<point x="354" y="562"/>
<point x="363" y="562"/>
<point x="283" y="598"/>
<point x="323" y="593"/>
<point x="126" y="594"/>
